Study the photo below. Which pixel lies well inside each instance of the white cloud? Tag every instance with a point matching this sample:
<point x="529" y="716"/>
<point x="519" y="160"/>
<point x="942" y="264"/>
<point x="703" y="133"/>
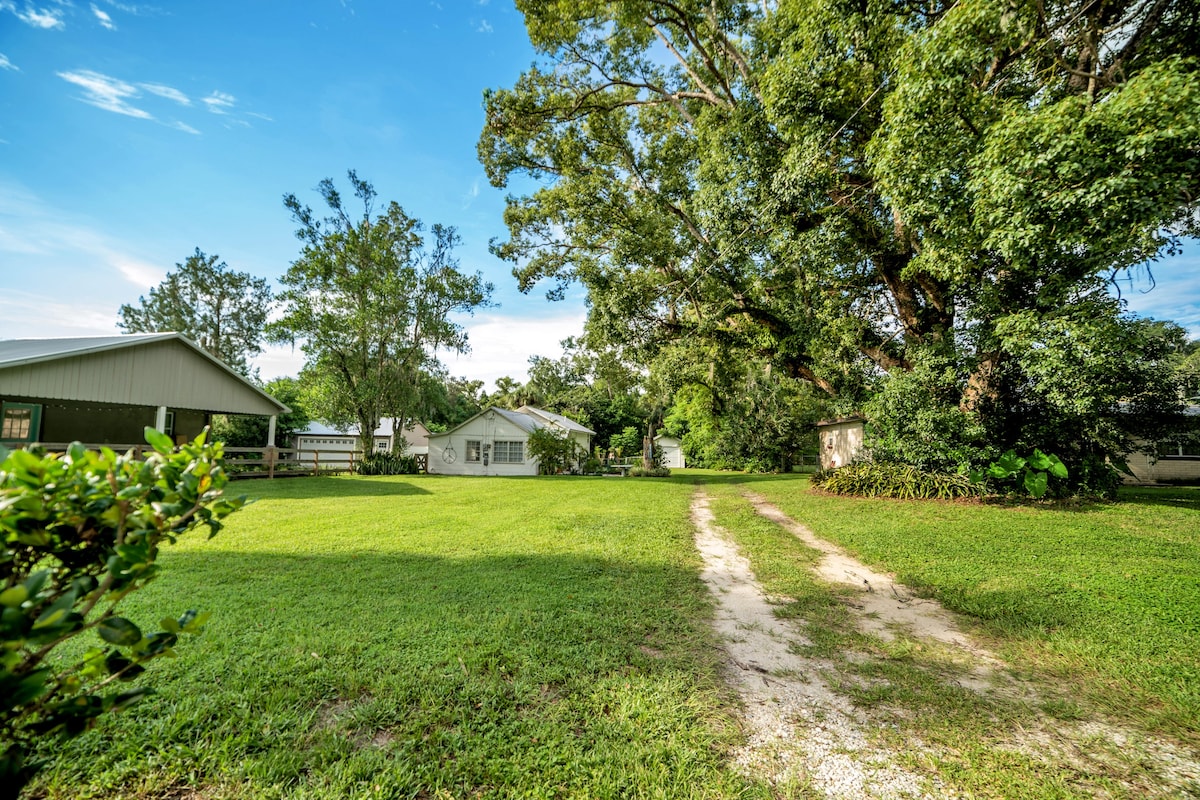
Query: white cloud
<point x="484" y="27"/>
<point x="139" y="273"/>
<point x="105" y="20"/>
<point x="6" y="64"/>
<point x="501" y="344"/>
<point x="168" y="92"/>
<point x="259" y="116"/>
<point x="30" y="227"/>
<point x="107" y="93"/>
<point x="471" y="194"/>
<point x="218" y="102"/>
<point x="27" y="315"/>
<point x="183" y="126"/>
<point x="44" y="18"/>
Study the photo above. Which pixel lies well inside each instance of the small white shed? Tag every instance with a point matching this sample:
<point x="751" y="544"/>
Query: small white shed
<point x="672" y="451"/>
<point x="493" y="442"/>
<point x="841" y="441"/>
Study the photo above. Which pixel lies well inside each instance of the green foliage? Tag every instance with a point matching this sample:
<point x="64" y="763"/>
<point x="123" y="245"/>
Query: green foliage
<point x="556" y="452"/>
<point x="1031" y="475"/>
<point x="239" y="430"/>
<point x="626" y="443"/>
<point x="740" y="416"/>
<point x="371" y="304"/>
<point x="915" y="419"/>
<point x="223" y="311"/>
<point x="649" y="472"/>
<point x="82" y="530"/>
<point x="386" y="464"/>
<point x="838" y="190"/>
<point x="903" y="481"/>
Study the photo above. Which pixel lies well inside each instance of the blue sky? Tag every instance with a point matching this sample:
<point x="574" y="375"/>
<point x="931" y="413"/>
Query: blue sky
<point x="132" y="133"/>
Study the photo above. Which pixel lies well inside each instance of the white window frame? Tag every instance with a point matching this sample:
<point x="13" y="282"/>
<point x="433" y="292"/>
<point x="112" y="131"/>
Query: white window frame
<point x="502" y="452"/>
<point x="474" y="450"/>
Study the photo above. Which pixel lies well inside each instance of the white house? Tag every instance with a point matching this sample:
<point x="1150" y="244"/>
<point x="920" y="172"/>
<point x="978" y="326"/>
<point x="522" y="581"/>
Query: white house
<point x="493" y="442"/>
<point x="1174" y="461"/>
<point x="335" y="445"/>
<point x="672" y="451"/>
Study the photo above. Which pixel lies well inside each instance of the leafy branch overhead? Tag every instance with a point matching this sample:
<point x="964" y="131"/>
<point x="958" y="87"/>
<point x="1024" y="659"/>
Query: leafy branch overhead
<point x="851" y="193"/>
<point x="81" y="531"/>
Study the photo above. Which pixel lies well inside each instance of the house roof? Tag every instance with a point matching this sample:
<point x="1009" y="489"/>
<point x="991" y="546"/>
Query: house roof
<point x="22" y="355"/>
<point x="526" y="418"/>
<point x="16" y="352"/>
<point x="565" y="423"/>
<point x="384" y="429"/>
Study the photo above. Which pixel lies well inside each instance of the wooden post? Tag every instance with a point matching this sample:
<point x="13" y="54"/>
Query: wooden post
<point x="316" y="462"/>
<point x="352" y="461"/>
<point x="272" y="454"/>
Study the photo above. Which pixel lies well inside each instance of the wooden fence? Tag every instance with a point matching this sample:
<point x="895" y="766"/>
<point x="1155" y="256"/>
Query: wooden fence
<point x="262" y="462"/>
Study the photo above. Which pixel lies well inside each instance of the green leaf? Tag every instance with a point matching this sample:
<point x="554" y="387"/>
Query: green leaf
<point x="1010" y="462"/>
<point x="13" y="596"/>
<point x="28" y="689"/>
<point x="1039" y="460"/>
<point x="119" y="631"/>
<point x="159" y="441"/>
<point x="1059" y="470"/>
<point x="117" y="663"/>
<point x="1036" y="483"/>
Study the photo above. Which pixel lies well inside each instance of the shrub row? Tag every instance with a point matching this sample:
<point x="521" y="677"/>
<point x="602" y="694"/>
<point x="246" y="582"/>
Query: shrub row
<point x="386" y="464"/>
<point x="872" y="479"/>
<point x="653" y="472"/>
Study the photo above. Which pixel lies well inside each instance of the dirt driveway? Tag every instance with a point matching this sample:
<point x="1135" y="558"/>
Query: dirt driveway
<point x="810" y="740"/>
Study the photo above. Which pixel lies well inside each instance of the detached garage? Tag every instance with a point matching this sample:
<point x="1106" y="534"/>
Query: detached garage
<point x="107" y="389"/>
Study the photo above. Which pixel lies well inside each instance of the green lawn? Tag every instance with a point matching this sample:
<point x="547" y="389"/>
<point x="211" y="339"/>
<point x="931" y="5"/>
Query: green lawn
<point x="430" y="637"/>
<point x="548" y="637"/>
<point x="1102" y="600"/>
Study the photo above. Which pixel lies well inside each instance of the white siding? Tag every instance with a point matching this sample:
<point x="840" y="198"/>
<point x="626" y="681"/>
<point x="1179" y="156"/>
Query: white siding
<point x="487" y="429"/>
<point x="841" y="443"/>
<point x="1164" y="469"/>
<point x="672" y="451"/>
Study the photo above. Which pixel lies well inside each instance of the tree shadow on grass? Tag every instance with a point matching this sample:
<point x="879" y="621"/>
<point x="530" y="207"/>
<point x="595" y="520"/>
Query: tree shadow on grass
<point x="505" y="670"/>
<point x="715" y="478"/>
<point x="310" y="488"/>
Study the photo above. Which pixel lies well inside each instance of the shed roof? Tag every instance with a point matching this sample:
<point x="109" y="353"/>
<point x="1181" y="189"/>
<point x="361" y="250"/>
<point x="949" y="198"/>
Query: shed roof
<point x="146" y="369"/>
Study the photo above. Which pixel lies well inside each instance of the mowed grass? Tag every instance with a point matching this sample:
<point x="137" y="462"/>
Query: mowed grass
<point x="1102" y="600"/>
<point x="429" y="637"/>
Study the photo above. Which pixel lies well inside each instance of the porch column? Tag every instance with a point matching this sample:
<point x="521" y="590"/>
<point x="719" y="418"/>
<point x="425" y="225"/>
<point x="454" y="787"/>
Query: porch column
<point x="271" y="432"/>
<point x="160" y="420"/>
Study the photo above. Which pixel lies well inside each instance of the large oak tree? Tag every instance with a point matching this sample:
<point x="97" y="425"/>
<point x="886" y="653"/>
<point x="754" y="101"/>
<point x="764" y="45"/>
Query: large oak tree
<point x="864" y="191"/>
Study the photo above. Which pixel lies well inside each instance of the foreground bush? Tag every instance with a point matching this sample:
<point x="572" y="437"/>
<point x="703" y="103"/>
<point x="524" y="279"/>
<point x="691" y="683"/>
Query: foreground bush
<point x="81" y="530"/>
<point x="874" y="479"/>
